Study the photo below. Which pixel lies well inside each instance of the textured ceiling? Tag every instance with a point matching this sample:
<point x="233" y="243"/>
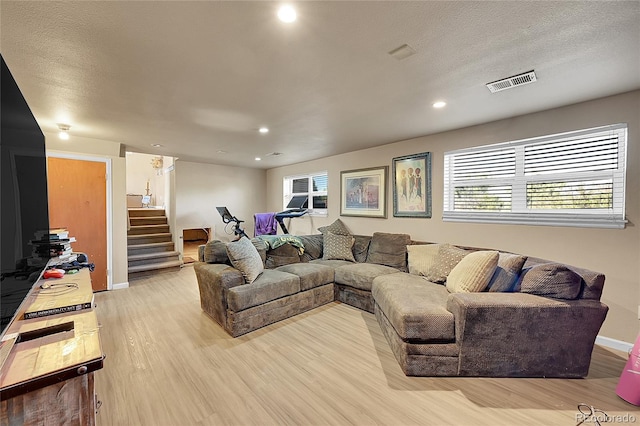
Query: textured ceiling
<point x="202" y="77"/>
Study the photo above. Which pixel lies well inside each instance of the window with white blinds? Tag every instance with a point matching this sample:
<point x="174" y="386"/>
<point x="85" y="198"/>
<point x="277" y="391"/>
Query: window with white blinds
<point x="570" y="179"/>
<point x="313" y="185"/>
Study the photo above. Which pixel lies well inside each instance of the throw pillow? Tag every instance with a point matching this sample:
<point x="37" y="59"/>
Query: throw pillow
<point x="422" y="257"/>
<point x="338" y="247"/>
<point x="552" y="280"/>
<point x="337" y="228"/>
<point x="473" y="272"/>
<point x="389" y="250"/>
<point x="448" y="257"/>
<point x="216" y="252"/>
<point x="245" y="258"/>
<point x="507" y="272"/>
<point x="361" y="247"/>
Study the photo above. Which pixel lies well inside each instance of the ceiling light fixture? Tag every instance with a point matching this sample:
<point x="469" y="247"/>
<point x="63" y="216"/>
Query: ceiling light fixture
<point x="439" y="104"/>
<point x="156" y="145"/>
<point x="263" y="130"/>
<point x="258" y="158"/>
<point x="64" y="131"/>
<point x="287" y="14"/>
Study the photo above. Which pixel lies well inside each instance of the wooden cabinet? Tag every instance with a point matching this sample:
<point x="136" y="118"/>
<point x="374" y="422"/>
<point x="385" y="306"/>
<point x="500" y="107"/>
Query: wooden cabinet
<point x="48" y="375"/>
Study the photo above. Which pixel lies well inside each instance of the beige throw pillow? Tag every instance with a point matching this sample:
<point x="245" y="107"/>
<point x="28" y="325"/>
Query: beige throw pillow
<point x="245" y="258"/>
<point x="447" y="258"/>
<point x="422" y="258"/>
<point x="338" y="247"/>
<point x="473" y="273"/>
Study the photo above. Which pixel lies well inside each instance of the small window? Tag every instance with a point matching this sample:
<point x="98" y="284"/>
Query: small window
<point x="570" y="179"/>
<point x="314" y="186"/>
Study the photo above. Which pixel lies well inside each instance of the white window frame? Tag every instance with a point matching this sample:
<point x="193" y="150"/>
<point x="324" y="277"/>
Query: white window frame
<point x="287" y="191"/>
<point x="519" y="213"/>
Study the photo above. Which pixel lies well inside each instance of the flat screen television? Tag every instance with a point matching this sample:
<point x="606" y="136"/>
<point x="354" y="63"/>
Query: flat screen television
<point x="24" y="200"/>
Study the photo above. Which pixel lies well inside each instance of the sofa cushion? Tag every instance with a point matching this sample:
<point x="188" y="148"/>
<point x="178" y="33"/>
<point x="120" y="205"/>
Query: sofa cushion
<point x="311" y="275"/>
<point x="361" y="248"/>
<point x="389" y="249"/>
<point x="507" y="272"/>
<point x="422" y="258"/>
<point x="282" y="255"/>
<point x="447" y="258"/>
<point x="337" y="227"/>
<point x="473" y="273"/>
<point x="552" y="280"/>
<point x="245" y="258"/>
<point x="416" y="309"/>
<point x="270" y="285"/>
<point x="338" y="247"/>
<point x="334" y="263"/>
<point x="312" y="247"/>
<point x="216" y="252"/>
<point x="361" y="275"/>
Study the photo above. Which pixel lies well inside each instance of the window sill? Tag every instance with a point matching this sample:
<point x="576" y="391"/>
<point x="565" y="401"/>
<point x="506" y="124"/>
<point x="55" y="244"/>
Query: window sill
<point x="580" y="221"/>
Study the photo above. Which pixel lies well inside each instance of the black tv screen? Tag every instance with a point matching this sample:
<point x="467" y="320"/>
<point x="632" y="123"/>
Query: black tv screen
<point x="24" y="199"/>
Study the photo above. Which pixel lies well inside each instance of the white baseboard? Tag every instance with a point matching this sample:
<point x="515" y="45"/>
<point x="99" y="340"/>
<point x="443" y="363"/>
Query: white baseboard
<point x="120" y="286"/>
<point x="618" y="345"/>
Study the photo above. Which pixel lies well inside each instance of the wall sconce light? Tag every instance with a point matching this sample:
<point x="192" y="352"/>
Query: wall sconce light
<point x="64" y="131"/>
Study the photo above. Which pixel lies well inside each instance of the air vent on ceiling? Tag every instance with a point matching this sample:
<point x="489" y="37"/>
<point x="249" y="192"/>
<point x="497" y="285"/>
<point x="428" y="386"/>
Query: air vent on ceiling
<point x="511" y="82"/>
<point x="402" y="52"/>
<point x="273" y="154"/>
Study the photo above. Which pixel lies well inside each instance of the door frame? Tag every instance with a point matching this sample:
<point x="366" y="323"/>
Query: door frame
<point x="107" y="161"/>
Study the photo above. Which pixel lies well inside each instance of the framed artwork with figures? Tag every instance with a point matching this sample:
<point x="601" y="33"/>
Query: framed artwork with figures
<point x="412" y="185"/>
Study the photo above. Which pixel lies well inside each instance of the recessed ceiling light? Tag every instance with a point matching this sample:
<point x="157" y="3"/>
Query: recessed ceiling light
<point x="263" y="130"/>
<point x="258" y="158"/>
<point x="156" y="145"/>
<point x="221" y="151"/>
<point x="287" y="14"/>
<point x="64" y="131"/>
<point x="439" y="104"/>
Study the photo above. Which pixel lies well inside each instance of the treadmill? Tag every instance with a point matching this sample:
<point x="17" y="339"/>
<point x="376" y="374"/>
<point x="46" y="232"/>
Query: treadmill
<point x="298" y="206"/>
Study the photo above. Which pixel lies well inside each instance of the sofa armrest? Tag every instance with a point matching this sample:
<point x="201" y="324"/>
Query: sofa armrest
<point x="214" y="280"/>
<point x="520" y="334"/>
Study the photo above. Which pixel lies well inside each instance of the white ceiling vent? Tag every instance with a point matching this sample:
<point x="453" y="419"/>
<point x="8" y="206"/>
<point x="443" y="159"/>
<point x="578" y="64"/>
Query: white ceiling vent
<point x="511" y="82"/>
<point x="273" y="154"/>
<point x="402" y="52"/>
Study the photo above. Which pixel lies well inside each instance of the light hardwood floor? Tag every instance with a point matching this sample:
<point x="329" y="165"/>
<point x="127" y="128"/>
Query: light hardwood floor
<point x="170" y="364"/>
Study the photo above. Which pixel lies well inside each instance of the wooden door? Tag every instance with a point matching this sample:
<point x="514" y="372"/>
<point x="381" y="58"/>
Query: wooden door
<point x="78" y="202"/>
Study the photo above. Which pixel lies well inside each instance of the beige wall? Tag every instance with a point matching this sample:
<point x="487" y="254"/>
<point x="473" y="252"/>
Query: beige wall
<point x="613" y="252"/>
<point x="140" y="172"/>
<point x="200" y="188"/>
<point x="104" y="150"/>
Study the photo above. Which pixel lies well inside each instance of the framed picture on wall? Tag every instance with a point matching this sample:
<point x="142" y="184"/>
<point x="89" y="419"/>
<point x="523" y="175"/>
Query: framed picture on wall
<point x="412" y="185"/>
<point x="363" y="192"/>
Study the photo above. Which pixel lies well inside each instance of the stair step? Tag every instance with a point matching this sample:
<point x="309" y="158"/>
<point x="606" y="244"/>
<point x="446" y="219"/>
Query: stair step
<point x="148" y="220"/>
<point x="146" y="256"/>
<point x="148" y="229"/>
<point x="146" y="212"/>
<point x="155" y="266"/>
<point x="164" y="237"/>
<point x="150" y="248"/>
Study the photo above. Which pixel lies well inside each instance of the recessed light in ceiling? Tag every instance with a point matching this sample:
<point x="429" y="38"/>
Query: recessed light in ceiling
<point x="64" y="131"/>
<point x="287" y="14"/>
<point x="156" y="145"/>
<point x="263" y="130"/>
<point x="221" y="151"/>
<point x="258" y="158"/>
<point x="439" y="104"/>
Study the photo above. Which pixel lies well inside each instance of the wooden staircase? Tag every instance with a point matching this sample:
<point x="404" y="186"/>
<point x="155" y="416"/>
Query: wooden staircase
<point x="149" y="246"/>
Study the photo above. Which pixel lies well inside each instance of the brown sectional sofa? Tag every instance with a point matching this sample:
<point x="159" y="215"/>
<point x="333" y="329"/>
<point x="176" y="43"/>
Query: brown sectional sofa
<point x="431" y="331"/>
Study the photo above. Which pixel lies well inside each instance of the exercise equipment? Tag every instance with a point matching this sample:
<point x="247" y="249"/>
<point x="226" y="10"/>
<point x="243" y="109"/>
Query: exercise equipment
<point x="297" y="207"/>
<point x="228" y="218"/>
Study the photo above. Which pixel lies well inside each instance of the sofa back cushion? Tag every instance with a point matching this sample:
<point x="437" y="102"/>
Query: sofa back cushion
<point x="282" y="255"/>
<point x="552" y="280"/>
<point x="389" y="250"/>
<point x="361" y="248"/>
<point x="507" y="272"/>
<point x="216" y="252"/>
<point x="421" y="258"/>
<point x="312" y="247"/>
